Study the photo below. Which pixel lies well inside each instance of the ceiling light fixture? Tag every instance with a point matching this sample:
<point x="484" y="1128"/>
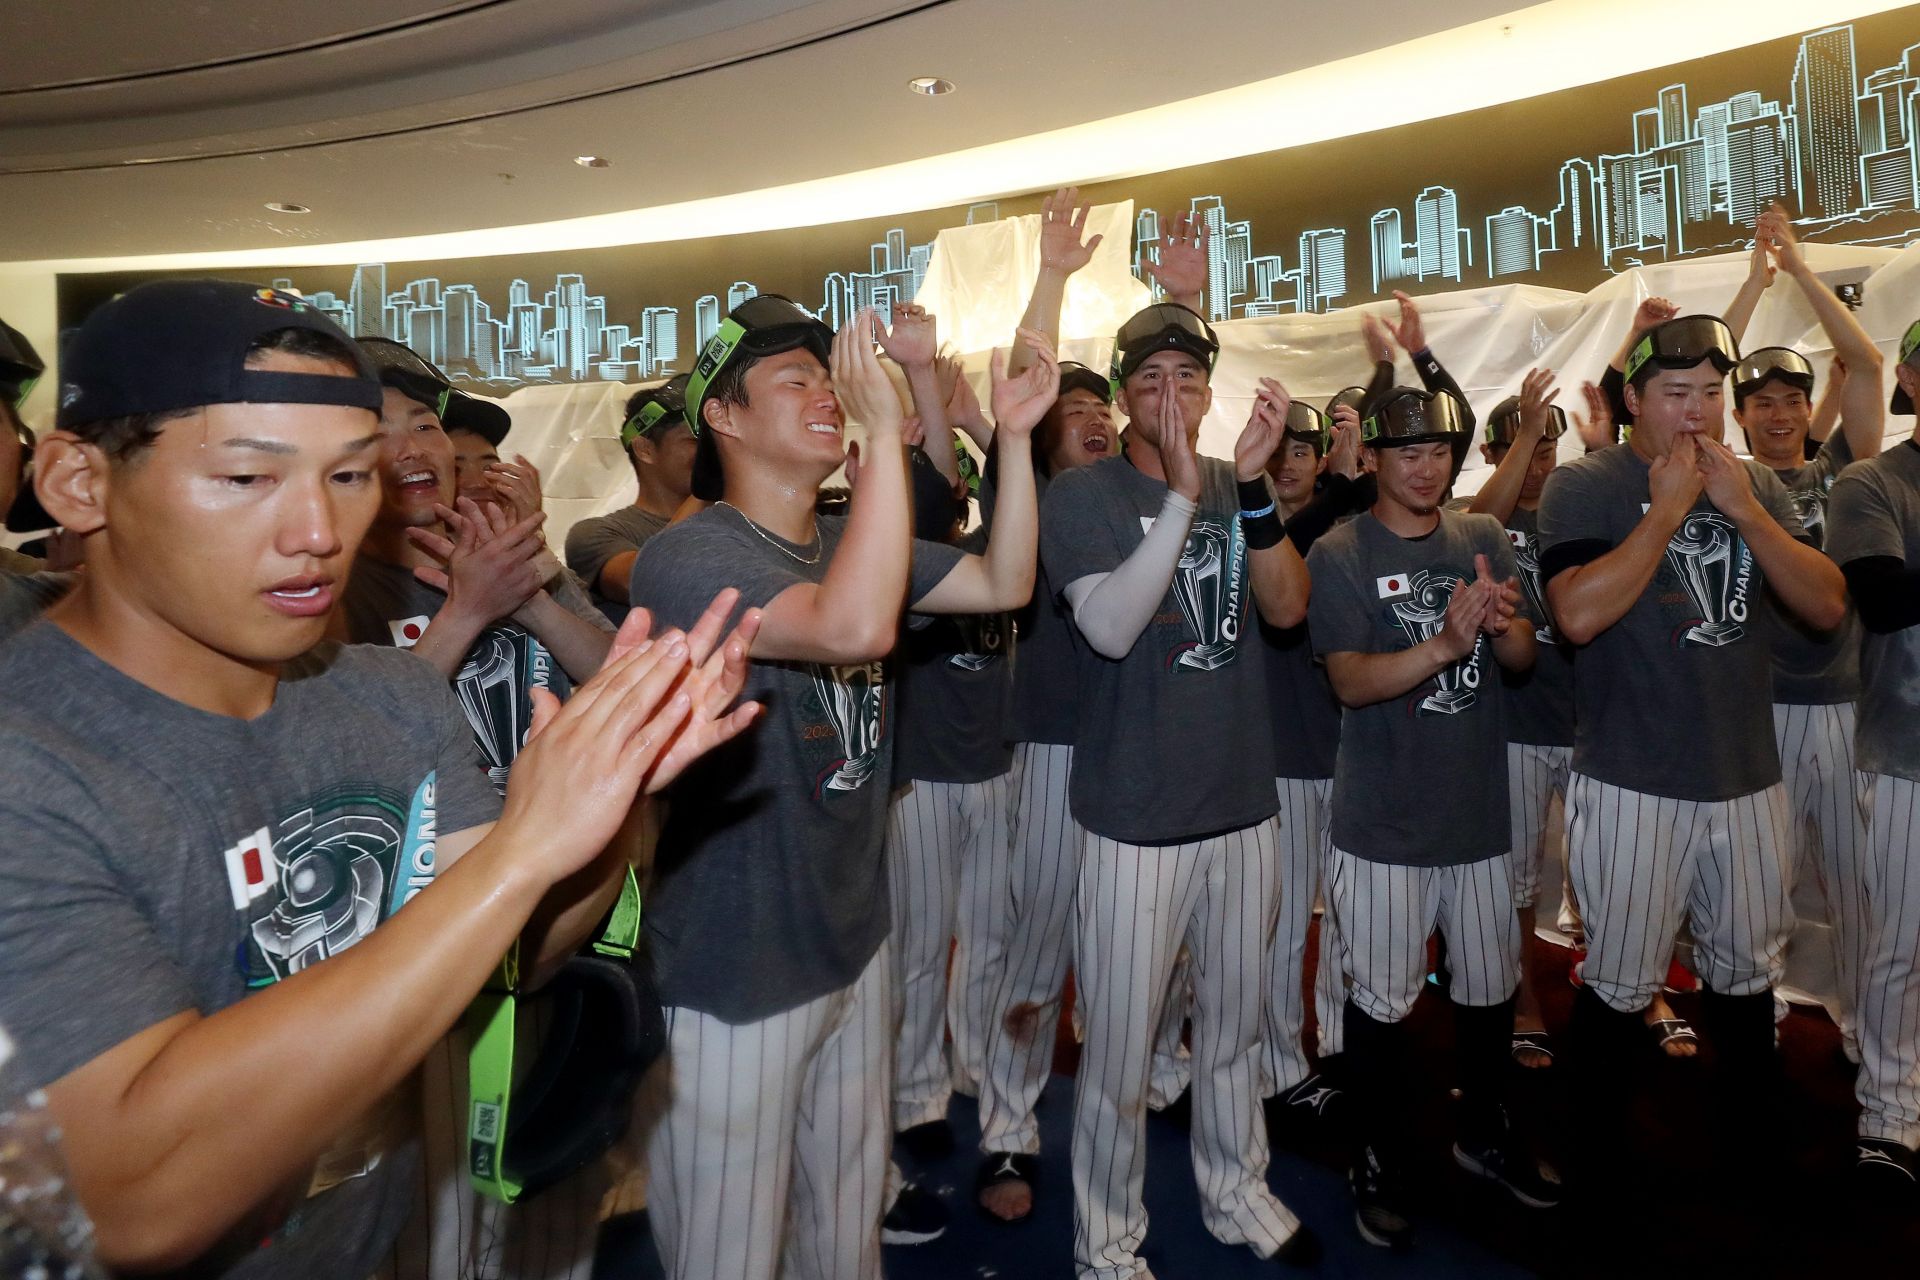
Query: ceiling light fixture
<point x="592" y="162"/>
<point x="282" y="206"/>
<point x="932" y="86"/>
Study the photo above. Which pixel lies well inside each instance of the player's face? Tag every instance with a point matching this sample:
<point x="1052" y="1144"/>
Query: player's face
<point x="238" y="525"/>
<point x="417" y="466"/>
<point x="1162" y="374"/>
<point x="1776" y="418"/>
<point x="1546" y="456"/>
<point x="1294" y="467"/>
<point x="1079" y="430"/>
<point x="1415" y="476"/>
<point x="668" y="454"/>
<point x="792" y="420"/>
<point x="472" y="455"/>
<point x="1678" y="402"/>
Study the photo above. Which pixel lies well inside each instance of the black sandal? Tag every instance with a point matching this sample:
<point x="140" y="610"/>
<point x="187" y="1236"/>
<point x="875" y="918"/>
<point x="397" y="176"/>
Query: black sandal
<point x="1000" y="1168"/>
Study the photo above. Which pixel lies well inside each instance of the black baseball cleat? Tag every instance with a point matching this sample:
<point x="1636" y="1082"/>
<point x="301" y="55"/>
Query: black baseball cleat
<point x="1532" y="1182"/>
<point x="927" y="1143"/>
<point x="1378" y="1212"/>
<point x="1883" y="1171"/>
<point x="1316" y="1097"/>
<point x="1301" y="1249"/>
<point x="915" y="1218"/>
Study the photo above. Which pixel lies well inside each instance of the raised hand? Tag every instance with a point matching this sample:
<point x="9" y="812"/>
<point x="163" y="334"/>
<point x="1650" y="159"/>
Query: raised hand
<point x="1266" y="428"/>
<point x="1596" y="428"/>
<point x="486" y="574"/>
<point x="865" y="391"/>
<point x="1652" y="312"/>
<point x="1343" y="456"/>
<point x="1182" y="269"/>
<point x="1674" y="482"/>
<point x="911" y="343"/>
<point x="1063" y="221"/>
<point x="1020" y="402"/>
<point x="517" y="485"/>
<point x="1537" y="394"/>
<point x="1774" y="230"/>
<point x="716" y="672"/>
<point x="499" y="520"/>
<point x="1379" y="341"/>
<point x="1177" y="460"/>
<point x="1725" y="479"/>
<point x="1760" y="265"/>
<point x="1410" y="331"/>
<point x="853" y="465"/>
<point x="913" y="431"/>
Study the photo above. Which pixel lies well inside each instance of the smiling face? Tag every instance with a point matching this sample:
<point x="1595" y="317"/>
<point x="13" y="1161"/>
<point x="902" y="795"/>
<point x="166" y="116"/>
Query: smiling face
<point x="236" y="526"/>
<point x="417" y="463"/>
<point x="1415" y="476"/>
<point x="1162" y="374"/>
<point x="1294" y="468"/>
<point x="1776" y="417"/>
<point x="472" y="455"/>
<point x="1677" y="402"/>
<point x="1078" y="429"/>
<point x="790" y="424"/>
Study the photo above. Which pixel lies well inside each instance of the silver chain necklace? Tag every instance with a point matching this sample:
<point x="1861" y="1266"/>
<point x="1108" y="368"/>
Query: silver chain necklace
<point x="776" y="543"/>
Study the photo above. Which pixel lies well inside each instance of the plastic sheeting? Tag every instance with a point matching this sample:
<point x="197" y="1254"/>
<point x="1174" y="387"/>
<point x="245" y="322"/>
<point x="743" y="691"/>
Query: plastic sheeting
<point x="980" y="277"/>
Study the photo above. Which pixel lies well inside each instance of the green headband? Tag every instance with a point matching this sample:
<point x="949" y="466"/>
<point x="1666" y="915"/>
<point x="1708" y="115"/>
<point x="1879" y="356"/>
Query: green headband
<point x="26" y="389"/>
<point x="713" y="357"/>
<point x="642" y="423"/>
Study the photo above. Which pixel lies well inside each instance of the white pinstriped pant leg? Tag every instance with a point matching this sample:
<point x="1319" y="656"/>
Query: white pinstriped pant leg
<point x="1828" y="833"/>
<point x="771" y="1157"/>
<point x="1045" y="866"/>
<point x="1534" y="774"/>
<point x="1172" y="1061"/>
<point x="1477" y="919"/>
<point x="1229" y="936"/>
<point x="1889" y="1008"/>
<point x="983" y="923"/>
<point x="1302" y="823"/>
<point x="923" y="876"/>
<point x="1631" y="859"/>
<point x="1330" y="981"/>
<point x="1386" y="914"/>
<point x="1739" y="902"/>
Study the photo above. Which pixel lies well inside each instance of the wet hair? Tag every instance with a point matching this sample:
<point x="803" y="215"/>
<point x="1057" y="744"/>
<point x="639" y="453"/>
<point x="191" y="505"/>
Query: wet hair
<point x="124" y="437"/>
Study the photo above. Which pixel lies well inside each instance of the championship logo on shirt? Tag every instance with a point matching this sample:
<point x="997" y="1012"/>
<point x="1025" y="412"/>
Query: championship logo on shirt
<point x="1526" y="554"/>
<point x="1419" y="603"/>
<point x="1810" y="504"/>
<point x="854" y="699"/>
<point x="333" y="871"/>
<point x="1715" y="569"/>
<point x="985" y="640"/>
<point x="1210" y="586"/>
<point x="495" y="688"/>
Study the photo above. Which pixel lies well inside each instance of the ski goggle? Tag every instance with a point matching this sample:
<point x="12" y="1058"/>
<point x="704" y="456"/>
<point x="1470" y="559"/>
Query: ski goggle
<point x="19" y="391"/>
<point x="1164" y="326"/>
<point x="1075" y="376"/>
<point x="668" y="400"/>
<point x="1503" y="424"/>
<point x="1307" y="424"/>
<point x="1902" y="403"/>
<point x="1349" y="396"/>
<point x="1684" y="343"/>
<point x="763" y="325"/>
<point x="1769" y="363"/>
<point x="1407" y="416"/>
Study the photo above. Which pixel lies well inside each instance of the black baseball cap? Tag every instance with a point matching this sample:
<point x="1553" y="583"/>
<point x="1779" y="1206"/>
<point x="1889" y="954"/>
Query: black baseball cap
<point x="20" y="365"/>
<point x="1902" y="403"/>
<point x="648" y="408"/>
<point x="406" y="371"/>
<point x="179" y="344"/>
<point x="1164" y="326"/>
<point x="764" y="325"/>
<point x="1075" y="376"/>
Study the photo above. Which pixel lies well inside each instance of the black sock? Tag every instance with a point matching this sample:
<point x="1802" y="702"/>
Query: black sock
<point x="1483" y="1043"/>
<point x="1740" y="1029"/>
<point x="1380" y="1107"/>
<point x="1604" y="1047"/>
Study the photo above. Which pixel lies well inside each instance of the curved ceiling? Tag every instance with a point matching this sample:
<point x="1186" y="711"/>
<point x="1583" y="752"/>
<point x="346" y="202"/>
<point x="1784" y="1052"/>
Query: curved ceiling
<point x="129" y="130"/>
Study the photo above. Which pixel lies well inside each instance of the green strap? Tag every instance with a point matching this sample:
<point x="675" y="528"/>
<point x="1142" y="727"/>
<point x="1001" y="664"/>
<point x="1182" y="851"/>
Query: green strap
<point x="490" y="1023"/>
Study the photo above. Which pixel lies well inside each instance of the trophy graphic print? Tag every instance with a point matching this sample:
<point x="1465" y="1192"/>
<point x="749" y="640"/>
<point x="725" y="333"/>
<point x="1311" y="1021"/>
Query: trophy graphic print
<point x="1526" y="556"/>
<point x="1701" y="555"/>
<point x="1206" y="584"/>
<point x="984" y="639"/>
<point x="490" y="695"/>
<point x="1423" y="615"/>
<point x="854" y="706"/>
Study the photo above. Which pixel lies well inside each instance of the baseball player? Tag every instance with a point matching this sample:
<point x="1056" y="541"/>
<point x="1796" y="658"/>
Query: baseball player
<point x="769" y="915"/>
<point x="1412" y="607"/>
<point x="1873" y="532"/>
<point x="1816" y="674"/>
<point x="1523" y="444"/>
<point x="1306" y="734"/>
<point x="1159" y="556"/>
<point x="1655" y="553"/>
<point x="654" y="433"/>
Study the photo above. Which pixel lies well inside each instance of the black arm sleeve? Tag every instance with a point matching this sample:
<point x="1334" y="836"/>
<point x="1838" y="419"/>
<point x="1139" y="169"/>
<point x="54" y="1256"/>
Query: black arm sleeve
<point x="1434" y="376"/>
<point x="1378" y="385"/>
<point x="1614" y="384"/>
<point x="1886" y="592"/>
<point x="1571" y="555"/>
<point x="1322" y="512"/>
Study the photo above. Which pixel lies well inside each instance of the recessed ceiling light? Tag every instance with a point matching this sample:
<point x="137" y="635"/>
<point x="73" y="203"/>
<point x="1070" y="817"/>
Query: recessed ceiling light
<point x="932" y="86"/>
<point x="282" y="206"/>
<point x="592" y="162"/>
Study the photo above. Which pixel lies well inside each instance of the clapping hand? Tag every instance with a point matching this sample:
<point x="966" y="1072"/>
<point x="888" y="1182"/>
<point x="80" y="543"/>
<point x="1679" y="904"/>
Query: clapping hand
<point x="1266" y="428"/>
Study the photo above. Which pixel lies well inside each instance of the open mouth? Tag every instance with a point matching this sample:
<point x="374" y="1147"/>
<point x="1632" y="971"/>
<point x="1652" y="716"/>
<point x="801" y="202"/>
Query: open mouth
<point x="301" y="597"/>
<point x="825" y="429"/>
<point x="1097" y="442"/>
<point x="420" y="483"/>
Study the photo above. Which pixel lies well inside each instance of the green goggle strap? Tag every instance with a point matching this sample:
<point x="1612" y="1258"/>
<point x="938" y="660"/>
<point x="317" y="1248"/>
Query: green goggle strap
<point x="712" y="356"/>
<point x="642" y="422"/>
<point x="24" y="390"/>
<point x="490" y="1025"/>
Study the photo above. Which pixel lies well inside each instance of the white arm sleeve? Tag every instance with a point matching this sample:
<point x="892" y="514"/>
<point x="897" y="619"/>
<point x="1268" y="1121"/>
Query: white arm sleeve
<point x="1112" y="609"/>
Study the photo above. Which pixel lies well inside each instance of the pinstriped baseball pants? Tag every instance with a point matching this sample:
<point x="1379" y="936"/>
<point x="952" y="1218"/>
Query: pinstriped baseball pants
<point x="1306" y="842"/>
<point x="1889" y="1009"/>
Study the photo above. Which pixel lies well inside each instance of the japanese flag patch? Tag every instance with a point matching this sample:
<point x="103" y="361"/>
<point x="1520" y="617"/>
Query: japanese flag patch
<point x="1394" y="586"/>
<point x="407" y="631"/>
<point x="251" y="869"/>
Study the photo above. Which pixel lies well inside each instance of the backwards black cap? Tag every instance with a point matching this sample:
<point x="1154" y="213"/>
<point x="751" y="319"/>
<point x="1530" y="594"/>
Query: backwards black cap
<point x="20" y="365"/>
<point x="406" y="371"/>
<point x="1075" y="376"/>
<point x="179" y="344"/>
<point x="764" y="325"/>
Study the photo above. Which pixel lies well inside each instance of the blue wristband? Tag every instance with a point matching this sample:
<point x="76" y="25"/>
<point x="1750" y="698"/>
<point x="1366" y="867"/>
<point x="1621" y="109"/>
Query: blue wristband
<point x="1267" y="510"/>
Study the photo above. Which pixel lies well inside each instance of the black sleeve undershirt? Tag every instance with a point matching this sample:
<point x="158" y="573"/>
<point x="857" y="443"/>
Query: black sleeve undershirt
<point x="1571" y="555"/>
<point x="1886" y="592"/>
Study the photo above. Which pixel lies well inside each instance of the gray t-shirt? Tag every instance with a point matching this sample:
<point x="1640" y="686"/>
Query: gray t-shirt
<point x="27" y="588"/>
<point x="385" y="604"/>
<point x="769" y="886"/>
<point x="1814" y="668"/>
<point x="1674" y="699"/>
<point x="594" y="541"/>
<point x="1046" y="678"/>
<point x="1539" y="700"/>
<point x="1169" y="745"/>
<point x="1421" y="779"/>
<point x="155" y="858"/>
<point x="1305" y="714"/>
<point x="1875" y="511"/>
<point x="956" y="699"/>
